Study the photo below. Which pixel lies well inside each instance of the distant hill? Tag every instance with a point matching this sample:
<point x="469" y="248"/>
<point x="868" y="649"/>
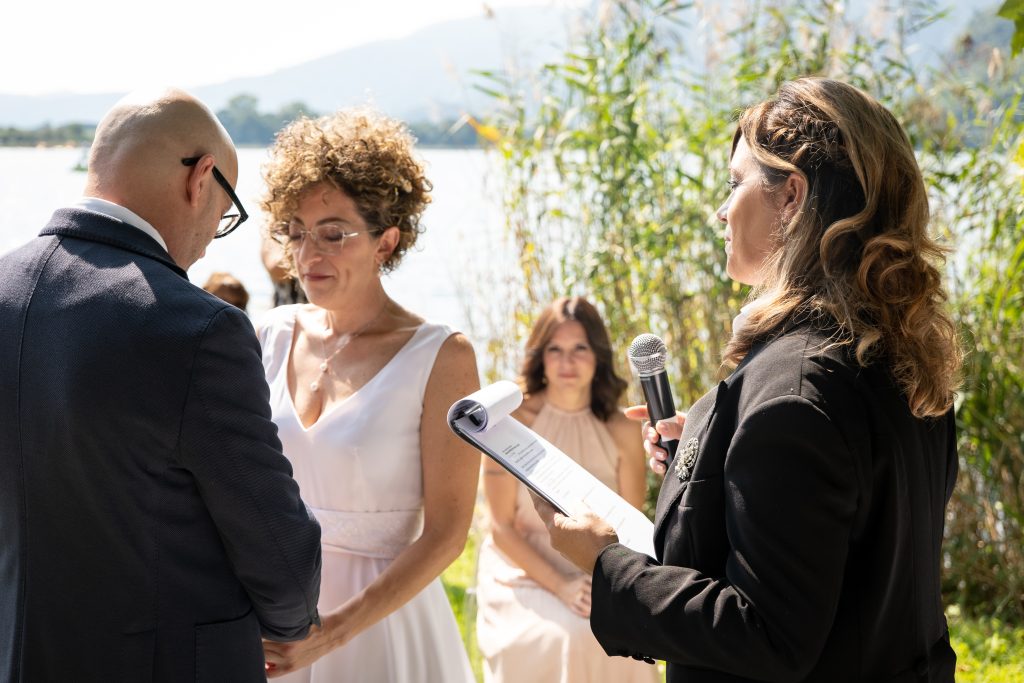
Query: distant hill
<point x="424" y="76"/>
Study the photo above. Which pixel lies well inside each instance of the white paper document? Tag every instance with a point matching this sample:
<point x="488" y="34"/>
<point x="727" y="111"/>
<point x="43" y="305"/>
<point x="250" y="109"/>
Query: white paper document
<point x="484" y="420"/>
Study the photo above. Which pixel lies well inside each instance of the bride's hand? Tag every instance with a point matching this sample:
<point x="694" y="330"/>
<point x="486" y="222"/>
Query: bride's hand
<point x="283" y="658"/>
<point x="575" y="593"/>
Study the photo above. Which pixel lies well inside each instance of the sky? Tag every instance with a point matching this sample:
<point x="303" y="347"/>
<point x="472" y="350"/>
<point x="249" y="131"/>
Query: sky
<point x="100" y="46"/>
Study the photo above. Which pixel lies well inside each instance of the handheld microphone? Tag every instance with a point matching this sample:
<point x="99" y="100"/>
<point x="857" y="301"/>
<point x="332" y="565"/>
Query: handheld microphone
<point x="647" y="355"/>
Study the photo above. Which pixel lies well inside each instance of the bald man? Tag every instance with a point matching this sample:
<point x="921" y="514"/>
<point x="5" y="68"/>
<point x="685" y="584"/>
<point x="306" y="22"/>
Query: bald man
<point x="150" y="528"/>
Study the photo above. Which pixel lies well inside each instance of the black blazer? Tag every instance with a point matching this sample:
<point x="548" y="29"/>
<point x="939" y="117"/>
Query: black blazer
<point x="150" y="526"/>
<point x="798" y="531"/>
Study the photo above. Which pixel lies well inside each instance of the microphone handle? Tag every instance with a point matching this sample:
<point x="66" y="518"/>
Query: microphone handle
<point x="660" y="405"/>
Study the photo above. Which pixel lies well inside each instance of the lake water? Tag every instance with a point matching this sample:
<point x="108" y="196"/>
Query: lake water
<point x="462" y="223"/>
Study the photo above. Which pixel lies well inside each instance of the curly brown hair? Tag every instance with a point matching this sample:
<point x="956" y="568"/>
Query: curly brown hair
<point x="363" y="153"/>
<point x="857" y="252"/>
<point x="607" y="386"/>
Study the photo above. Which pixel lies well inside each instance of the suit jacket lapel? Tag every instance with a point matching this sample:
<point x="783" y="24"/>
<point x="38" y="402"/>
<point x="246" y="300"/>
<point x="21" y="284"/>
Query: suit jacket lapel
<point x="96" y="227"/>
<point x="673" y="486"/>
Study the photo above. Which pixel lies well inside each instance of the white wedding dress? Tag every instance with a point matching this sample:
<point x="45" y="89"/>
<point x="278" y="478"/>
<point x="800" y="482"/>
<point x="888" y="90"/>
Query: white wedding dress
<point x="358" y="467"/>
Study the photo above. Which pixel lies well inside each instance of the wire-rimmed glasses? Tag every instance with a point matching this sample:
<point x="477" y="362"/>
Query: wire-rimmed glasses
<point x="328" y="238"/>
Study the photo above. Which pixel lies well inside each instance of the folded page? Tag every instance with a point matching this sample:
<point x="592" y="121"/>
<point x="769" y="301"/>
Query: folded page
<point x="546" y="470"/>
<point x="486" y="407"/>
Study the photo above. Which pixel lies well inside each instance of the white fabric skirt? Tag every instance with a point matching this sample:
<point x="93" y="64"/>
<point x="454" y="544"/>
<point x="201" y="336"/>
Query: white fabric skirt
<point x="419" y="641"/>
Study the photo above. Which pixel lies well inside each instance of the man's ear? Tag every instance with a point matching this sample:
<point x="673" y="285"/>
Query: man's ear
<point x="793" y="194"/>
<point x="199" y="178"/>
<point x="387" y="242"/>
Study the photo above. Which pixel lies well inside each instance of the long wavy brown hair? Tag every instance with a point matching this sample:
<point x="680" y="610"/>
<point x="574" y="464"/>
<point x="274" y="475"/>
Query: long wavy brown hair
<point x="607" y="386"/>
<point x="857" y="253"/>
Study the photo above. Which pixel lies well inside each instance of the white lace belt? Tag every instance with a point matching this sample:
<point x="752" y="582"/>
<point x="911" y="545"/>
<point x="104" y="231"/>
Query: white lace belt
<point x="373" y="534"/>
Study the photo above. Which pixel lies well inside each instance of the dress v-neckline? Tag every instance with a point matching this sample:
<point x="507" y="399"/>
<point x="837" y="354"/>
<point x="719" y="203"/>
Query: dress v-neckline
<point x="324" y="415"/>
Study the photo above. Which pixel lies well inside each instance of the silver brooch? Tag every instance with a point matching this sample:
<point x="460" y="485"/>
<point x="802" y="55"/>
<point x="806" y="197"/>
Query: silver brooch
<point x="685" y="460"/>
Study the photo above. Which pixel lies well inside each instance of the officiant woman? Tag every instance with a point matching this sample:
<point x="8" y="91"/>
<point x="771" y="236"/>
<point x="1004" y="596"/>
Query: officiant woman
<point x="799" y="528"/>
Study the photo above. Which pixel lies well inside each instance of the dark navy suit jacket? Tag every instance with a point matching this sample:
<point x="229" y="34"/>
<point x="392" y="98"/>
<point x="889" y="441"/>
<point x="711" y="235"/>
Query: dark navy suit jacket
<point x="150" y="525"/>
<point x="802" y="541"/>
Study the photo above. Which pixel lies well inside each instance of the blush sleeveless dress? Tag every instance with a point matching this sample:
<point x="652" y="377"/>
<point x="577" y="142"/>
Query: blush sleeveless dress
<point x="525" y="632"/>
<point x="359" y="470"/>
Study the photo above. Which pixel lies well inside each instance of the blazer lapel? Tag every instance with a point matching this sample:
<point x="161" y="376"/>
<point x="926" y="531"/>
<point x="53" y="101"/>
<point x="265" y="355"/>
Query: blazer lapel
<point x="681" y="467"/>
<point x="96" y="227"/>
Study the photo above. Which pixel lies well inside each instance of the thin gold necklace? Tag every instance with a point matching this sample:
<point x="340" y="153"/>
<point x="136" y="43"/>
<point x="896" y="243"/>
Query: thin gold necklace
<point x="343" y="341"/>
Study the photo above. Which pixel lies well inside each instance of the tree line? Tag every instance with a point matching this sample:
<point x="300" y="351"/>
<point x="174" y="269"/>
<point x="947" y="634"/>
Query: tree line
<point x="246" y="124"/>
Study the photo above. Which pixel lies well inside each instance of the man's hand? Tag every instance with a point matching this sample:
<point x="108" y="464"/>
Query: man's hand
<point x="671" y="430"/>
<point x="579" y="538"/>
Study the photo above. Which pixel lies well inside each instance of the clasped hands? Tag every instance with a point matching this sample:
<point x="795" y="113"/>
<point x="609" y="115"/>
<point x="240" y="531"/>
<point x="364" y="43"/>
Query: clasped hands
<point x="283" y="658"/>
<point x="581" y="537"/>
<point x="575" y="594"/>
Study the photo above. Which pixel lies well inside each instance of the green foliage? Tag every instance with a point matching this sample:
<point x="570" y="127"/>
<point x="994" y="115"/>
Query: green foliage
<point x="247" y="125"/>
<point x="446" y="133"/>
<point x="977" y="200"/>
<point x="987" y="650"/>
<point x="1014" y="11"/>
<point x="614" y="160"/>
<point x="610" y="189"/>
<point x="459" y="581"/>
<point x="71" y="134"/>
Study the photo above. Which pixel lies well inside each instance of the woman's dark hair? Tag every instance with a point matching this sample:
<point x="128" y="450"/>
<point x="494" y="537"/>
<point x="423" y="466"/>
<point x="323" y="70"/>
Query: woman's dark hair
<point x="606" y="387"/>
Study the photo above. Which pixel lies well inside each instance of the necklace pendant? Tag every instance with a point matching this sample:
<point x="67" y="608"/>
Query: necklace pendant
<point x="315" y="386"/>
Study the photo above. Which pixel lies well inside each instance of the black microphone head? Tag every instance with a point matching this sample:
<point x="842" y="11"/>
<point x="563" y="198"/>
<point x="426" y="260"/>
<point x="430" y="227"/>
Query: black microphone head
<point x="647" y="354"/>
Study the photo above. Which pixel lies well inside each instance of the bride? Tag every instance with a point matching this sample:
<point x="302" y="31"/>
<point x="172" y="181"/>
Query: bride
<point x="359" y="390"/>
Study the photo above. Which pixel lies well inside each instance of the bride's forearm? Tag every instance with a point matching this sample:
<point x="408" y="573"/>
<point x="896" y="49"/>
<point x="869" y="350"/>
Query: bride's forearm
<point x="411" y="571"/>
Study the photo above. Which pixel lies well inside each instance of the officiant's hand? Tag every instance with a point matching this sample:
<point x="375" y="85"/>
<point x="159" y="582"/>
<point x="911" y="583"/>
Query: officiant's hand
<point x="284" y="658"/>
<point x="579" y="538"/>
<point x="669" y="429"/>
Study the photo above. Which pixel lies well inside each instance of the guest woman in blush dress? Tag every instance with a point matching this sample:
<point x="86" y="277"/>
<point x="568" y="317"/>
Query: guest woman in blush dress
<point x="359" y="389"/>
<point x="532" y="622"/>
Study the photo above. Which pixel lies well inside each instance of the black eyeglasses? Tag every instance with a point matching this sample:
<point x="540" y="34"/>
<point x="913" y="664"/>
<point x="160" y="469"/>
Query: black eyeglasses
<point x="228" y="221"/>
